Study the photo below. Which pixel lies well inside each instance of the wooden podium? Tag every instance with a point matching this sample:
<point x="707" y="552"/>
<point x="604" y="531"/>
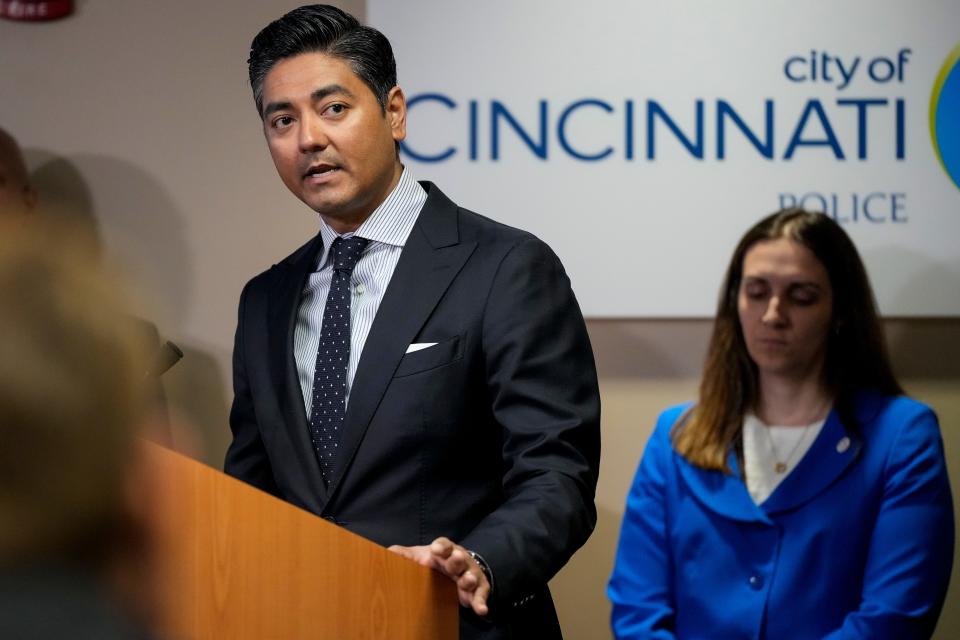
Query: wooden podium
<point x="238" y="563"/>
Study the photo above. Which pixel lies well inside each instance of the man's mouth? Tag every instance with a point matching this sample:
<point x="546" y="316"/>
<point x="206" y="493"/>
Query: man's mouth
<point x="320" y="171"/>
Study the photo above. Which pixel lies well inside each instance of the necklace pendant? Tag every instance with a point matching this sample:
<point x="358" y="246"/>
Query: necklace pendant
<point x="780" y="467"/>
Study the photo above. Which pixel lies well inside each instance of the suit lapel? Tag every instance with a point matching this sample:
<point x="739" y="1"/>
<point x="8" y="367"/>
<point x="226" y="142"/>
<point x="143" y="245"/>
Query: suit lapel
<point x="284" y="305"/>
<point x="431" y="258"/>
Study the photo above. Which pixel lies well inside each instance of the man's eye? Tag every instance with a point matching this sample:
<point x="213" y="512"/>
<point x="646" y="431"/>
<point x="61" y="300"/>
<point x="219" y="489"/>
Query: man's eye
<point x="336" y="109"/>
<point x="282" y="121"/>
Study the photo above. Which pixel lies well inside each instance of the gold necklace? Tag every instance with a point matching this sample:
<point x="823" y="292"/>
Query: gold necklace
<point x="780" y="466"/>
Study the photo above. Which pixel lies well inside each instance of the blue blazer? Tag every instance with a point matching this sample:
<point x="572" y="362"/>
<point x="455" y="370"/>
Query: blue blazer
<point x="857" y="542"/>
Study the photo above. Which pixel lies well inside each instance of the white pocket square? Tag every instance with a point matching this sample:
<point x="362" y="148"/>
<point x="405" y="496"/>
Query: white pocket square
<point x="417" y="346"/>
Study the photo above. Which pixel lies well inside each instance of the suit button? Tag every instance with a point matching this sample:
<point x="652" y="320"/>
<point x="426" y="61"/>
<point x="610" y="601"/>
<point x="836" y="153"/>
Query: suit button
<point x="843" y="444"/>
<point x="756" y="582"/>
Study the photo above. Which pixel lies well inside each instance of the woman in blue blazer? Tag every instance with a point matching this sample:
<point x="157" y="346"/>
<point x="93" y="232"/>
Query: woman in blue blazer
<point x="802" y="496"/>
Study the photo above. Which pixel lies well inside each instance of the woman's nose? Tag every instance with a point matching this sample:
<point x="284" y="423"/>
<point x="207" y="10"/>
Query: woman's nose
<point x="774" y="313"/>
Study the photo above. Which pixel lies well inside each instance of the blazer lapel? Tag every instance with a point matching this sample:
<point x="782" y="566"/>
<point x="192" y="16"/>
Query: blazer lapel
<point x="722" y="493"/>
<point x="831" y="454"/>
<point x="431" y="258"/>
<point x="284" y="305"/>
<point x="834" y="450"/>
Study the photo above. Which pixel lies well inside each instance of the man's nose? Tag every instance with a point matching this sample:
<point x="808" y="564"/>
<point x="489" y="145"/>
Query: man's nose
<point x="313" y="135"/>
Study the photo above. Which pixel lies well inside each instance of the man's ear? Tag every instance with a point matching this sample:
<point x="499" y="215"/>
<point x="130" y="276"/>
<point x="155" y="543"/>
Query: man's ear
<point x="396" y="113"/>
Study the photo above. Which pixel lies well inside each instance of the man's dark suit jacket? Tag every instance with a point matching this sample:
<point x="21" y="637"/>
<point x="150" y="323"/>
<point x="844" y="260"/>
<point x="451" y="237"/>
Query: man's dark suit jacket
<point x="491" y="437"/>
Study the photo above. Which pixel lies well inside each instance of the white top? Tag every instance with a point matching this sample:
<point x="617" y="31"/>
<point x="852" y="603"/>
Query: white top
<point x="772" y="452"/>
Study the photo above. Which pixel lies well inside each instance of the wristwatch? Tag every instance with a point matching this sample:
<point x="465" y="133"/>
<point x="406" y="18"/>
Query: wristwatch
<point x="483" y="567"/>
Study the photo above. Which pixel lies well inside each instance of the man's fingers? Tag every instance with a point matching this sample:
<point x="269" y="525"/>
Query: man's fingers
<point x="475" y="598"/>
<point x="468" y="581"/>
<point x="479" y="601"/>
<point x="419" y="554"/>
<point x="457" y="562"/>
<point x="442" y="547"/>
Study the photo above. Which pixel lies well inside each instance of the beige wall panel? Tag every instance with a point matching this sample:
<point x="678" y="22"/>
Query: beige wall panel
<point x="137" y="119"/>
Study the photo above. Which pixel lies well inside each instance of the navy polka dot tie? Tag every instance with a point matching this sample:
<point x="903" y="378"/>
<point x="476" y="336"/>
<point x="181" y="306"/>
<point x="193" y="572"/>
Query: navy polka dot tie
<point x="333" y="356"/>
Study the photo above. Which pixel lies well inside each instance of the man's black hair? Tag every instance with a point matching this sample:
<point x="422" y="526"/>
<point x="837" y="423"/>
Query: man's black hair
<point x="320" y="28"/>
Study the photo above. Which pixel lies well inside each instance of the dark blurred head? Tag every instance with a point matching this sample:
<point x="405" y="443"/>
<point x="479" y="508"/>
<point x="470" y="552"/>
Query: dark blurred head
<point x="71" y="400"/>
<point x="324" y="29"/>
<point x="17" y="195"/>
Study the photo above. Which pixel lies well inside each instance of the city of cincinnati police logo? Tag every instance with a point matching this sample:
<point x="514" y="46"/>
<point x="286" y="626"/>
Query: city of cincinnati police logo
<point x="945" y="116"/>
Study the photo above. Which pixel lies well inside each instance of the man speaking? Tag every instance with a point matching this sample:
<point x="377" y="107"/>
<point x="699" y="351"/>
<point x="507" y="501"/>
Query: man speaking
<point x="416" y="373"/>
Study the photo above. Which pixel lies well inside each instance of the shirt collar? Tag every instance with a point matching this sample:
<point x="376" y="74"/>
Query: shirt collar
<point x="390" y="223"/>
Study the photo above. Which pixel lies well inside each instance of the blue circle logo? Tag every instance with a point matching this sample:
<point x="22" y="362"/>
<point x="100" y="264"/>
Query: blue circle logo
<point x="945" y="116"/>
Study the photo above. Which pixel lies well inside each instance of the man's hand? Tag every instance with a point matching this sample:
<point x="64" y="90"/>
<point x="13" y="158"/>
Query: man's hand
<point x="456" y="563"/>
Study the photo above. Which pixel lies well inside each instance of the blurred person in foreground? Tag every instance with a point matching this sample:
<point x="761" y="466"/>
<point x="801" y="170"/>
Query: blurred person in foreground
<point x="803" y="495"/>
<point x="20" y="204"/>
<point x="73" y="398"/>
<point x="18" y="197"/>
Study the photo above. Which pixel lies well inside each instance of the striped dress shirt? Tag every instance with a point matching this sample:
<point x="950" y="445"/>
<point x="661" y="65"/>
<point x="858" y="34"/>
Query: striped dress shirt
<point x="387" y="229"/>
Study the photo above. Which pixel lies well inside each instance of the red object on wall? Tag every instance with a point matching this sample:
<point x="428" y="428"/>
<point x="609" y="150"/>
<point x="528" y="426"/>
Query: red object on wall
<point x="35" y="10"/>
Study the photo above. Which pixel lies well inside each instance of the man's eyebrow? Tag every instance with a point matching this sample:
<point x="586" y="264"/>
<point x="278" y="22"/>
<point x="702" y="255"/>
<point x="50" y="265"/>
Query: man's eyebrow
<point x="330" y="89"/>
<point x="273" y="107"/>
<point x="318" y="94"/>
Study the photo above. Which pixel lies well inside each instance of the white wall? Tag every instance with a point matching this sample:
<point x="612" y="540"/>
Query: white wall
<point x="650" y="206"/>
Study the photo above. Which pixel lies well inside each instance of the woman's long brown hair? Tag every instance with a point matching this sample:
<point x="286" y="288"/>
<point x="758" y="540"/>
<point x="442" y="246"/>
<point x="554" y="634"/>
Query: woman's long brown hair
<point x="856" y="349"/>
